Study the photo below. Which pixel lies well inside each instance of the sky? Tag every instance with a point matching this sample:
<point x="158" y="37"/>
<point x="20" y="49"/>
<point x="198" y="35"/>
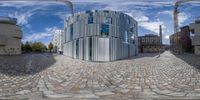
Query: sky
<point x="39" y="20"/>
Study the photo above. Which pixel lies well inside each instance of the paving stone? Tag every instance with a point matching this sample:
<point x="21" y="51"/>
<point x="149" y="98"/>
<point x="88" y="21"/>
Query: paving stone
<point x="23" y="92"/>
<point x="58" y="96"/>
<point x="104" y="93"/>
<point x="144" y="76"/>
<point x="86" y="96"/>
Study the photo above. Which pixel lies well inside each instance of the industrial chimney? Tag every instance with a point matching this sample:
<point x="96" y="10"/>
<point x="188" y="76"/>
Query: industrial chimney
<point x="160" y="34"/>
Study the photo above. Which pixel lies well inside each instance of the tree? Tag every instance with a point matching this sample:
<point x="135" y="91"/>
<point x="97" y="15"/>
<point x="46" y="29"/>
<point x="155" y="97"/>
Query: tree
<point x="27" y="47"/>
<point x="22" y="47"/>
<point x="50" y="46"/>
<point x="38" y="47"/>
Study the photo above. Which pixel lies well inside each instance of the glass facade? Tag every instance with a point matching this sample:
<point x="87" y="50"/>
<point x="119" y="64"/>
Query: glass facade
<point x="78" y="18"/>
<point x="100" y="36"/>
<point x="90" y="20"/>
<point x="125" y="37"/>
<point x="104" y="30"/>
<point x="90" y="48"/>
<point x="90" y="17"/>
<point x="107" y="20"/>
<point x="71" y="31"/>
<point x="77" y="48"/>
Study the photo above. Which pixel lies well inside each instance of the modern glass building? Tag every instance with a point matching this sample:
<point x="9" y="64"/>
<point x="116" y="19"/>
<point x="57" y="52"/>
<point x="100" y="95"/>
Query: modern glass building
<point x="100" y="36"/>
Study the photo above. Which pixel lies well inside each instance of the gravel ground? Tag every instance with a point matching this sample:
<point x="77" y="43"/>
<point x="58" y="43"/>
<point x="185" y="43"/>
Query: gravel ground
<point x="57" y="77"/>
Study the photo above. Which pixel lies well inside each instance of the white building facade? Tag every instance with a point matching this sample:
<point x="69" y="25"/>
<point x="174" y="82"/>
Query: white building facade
<point x="100" y="36"/>
<point x="57" y="41"/>
<point x="10" y="36"/>
<point x="195" y="28"/>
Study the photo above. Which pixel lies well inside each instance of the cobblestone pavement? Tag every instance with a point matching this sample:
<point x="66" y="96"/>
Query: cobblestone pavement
<point x="57" y="77"/>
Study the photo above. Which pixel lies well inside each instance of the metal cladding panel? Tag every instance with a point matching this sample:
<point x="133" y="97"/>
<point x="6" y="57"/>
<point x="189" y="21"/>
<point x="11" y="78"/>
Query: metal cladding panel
<point x="101" y="48"/>
<point x="102" y="51"/>
<point x="79" y="49"/>
<point x="132" y="50"/>
<point x="74" y="49"/>
<point x="65" y="49"/>
<point x="68" y="49"/>
<point x="81" y="28"/>
<point x="124" y="50"/>
<point x="107" y="51"/>
<point x="113" y="49"/>
<point x="96" y="49"/>
<point x="119" y="49"/>
<point x="75" y="30"/>
<point x="86" y="48"/>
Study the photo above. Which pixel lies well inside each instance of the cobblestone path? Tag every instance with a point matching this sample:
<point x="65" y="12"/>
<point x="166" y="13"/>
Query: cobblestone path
<point x="43" y="76"/>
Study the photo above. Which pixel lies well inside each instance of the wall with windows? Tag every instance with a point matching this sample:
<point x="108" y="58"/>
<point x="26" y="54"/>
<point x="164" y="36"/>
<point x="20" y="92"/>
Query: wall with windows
<point x="57" y="41"/>
<point x="100" y="36"/>
<point x="10" y="37"/>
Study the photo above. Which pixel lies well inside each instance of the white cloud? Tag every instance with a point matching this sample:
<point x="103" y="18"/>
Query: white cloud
<point x="47" y="34"/>
<point x="144" y="21"/>
<point x="23" y="15"/>
<point x="152" y="26"/>
<point x="167" y="37"/>
<point x="22" y="18"/>
<point x="141" y="18"/>
<point x="182" y="18"/>
<point x="169" y="12"/>
<point x="21" y="4"/>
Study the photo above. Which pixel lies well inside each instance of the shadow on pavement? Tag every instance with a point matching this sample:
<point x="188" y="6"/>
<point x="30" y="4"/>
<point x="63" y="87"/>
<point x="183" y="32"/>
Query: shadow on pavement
<point x="142" y="55"/>
<point x="25" y="64"/>
<point x="190" y="59"/>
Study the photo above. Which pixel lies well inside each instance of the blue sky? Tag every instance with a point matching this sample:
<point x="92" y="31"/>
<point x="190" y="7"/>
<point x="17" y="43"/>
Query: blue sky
<point x="39" y="20"/>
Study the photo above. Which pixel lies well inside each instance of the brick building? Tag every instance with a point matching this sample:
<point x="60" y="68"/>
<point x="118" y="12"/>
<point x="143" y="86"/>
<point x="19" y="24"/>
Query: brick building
<point x="180" y="42"/>
<point x="149" y="43"/>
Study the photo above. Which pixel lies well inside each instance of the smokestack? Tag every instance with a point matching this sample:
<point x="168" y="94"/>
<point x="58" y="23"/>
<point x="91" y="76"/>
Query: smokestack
<point x="160" y="34"/>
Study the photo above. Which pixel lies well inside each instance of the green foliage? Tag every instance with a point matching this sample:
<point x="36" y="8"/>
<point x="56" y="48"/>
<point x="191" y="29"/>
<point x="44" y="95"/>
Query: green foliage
<point x="22" y="47"/>
<point x="38" y="47"/>
<point x="27" y="47"/>
<point x="33" y="47"/>
<point x="50" y="46"/>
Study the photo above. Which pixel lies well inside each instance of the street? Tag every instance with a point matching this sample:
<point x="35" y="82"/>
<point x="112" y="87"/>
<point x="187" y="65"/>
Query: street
<point x="57" y="77"/>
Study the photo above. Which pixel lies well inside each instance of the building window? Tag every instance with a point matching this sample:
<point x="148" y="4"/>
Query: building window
<point x="90" y="48"/>
<point x="107" y="20"/>
<point x="133" y="39"/>
<point x="90" y="20"/>
<point x="78" y="18"/>
<point x="83" y="45"/>
<point x="71" y="31"/>
<point x="104" y="30"/>
<point x="128" y="21"/>
<point x="106" y="11"/>
<point x="90" y="13"/>
<point x="131" y="29"/>
<point x="126" y="37"/>
<point x="77" y="48"/>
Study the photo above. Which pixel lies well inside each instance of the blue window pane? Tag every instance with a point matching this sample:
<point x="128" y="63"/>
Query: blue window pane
<point x="71" y="31"/>
<point x="90" y="20"/>
<point x="131" y="29"/>
<point x="78" y="18"/>
<point x="104" y="30"/>
<point x="107" y="20"/>
<point x="125" y="37"/>
<point x="106" y="11"/>
<point x="90" y="13"/>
